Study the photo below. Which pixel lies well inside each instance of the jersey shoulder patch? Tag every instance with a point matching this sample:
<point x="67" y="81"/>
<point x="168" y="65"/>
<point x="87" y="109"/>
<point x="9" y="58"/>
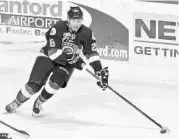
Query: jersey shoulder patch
<point x="53" y="31"/>
<point x="57" y="28"/>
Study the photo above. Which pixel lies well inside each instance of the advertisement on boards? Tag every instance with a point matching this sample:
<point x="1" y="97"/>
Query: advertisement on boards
<point x="31" y="20"/>
<point x="28" y="19"/>
<point x="156" y="35"/>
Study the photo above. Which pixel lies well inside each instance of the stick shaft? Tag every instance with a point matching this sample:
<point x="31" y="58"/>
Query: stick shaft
<point x="126" y="100"/>
<point x="15" y="129"/>
<point x="8" y="126"/>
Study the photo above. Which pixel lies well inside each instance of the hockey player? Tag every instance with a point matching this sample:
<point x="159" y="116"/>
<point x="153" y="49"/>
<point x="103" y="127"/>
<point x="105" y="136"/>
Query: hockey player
<point x="67" y="41"/>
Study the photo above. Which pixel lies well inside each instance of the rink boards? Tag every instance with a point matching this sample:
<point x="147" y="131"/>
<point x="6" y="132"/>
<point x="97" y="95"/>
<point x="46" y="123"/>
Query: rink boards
<point x="137" y="43"/>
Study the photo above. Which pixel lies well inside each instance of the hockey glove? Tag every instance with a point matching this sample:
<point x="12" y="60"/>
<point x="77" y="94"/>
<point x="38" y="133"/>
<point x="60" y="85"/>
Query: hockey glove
<point x="79" y="64"/>
<point x="103" y="78"/>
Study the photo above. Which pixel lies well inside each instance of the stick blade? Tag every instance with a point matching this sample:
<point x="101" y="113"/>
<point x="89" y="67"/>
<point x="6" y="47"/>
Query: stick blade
<point x="24" y="133"/>
<point x="164" y="130"/>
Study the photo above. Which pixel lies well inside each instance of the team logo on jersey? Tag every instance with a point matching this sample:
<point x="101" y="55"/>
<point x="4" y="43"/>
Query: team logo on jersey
<point x="53" y="31"/>
<point x="66" y="34"/>
<point x="68" y="37"/>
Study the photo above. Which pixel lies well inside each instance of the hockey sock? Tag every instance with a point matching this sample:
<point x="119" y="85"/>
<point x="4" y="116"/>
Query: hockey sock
<point x="20" y="98"/>
<point x="45" y="95"/>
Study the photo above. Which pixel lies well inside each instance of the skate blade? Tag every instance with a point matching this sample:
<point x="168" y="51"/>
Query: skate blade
<point x="37" y="115"/>
<point x="5" y="112"/>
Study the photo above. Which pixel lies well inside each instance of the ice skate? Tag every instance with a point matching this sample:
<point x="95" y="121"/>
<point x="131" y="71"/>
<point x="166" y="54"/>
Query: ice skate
<point x="10" y="108"/>
<point x="37" y="107"/>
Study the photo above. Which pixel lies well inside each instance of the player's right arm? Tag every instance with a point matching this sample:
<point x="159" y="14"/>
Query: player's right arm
<point x="54" y="42"/>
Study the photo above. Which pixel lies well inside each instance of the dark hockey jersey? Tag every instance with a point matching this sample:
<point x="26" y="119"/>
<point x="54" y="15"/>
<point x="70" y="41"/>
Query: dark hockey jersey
<point x="58" y="33"/>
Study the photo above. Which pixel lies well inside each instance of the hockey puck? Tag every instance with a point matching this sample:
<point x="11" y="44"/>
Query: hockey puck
<point x="163" y="131"/>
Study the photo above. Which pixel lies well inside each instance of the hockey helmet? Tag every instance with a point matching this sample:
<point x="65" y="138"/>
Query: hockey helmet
<point x="75" y="13"/>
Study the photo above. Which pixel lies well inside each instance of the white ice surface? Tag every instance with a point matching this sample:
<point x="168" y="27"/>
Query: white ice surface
<point x="82" y="110"/>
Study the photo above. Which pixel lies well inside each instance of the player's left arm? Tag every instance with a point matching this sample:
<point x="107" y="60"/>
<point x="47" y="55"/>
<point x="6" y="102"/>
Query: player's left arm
<point x="95" y="62"/>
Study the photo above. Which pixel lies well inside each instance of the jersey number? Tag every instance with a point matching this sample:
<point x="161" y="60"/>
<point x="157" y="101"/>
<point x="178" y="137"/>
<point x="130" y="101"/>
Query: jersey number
<point x="52" y="43"/>
<point x="94" y="48"/>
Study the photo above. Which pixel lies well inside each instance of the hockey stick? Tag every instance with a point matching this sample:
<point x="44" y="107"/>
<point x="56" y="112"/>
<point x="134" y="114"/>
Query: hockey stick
<point x="19" y="131"/>
<point x="163" y="129"/>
